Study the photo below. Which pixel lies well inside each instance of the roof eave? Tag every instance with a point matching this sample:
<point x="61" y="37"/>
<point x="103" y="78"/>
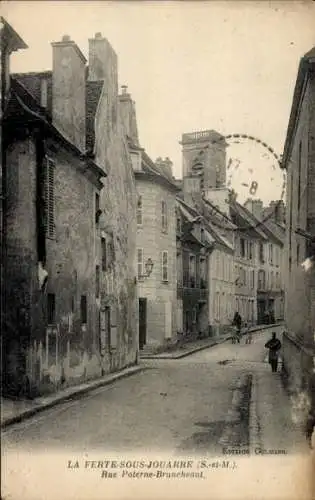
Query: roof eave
<point x="305" y="63"/>
<point x="10" y="36"/>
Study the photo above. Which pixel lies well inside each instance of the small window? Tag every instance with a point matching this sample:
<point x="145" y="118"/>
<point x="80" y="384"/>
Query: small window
<point x="164" y="216"/>
<point x="194" y="315"/>
<point x="261" y="253"/>
<point x="50" y="198"/>
<point x="165" y="266"/>
<point x="250" y="250"/>
<point x="104" y="254"/>
<point x="178" y="225"/>
<point x="97" y="208"/>
<point x="140" y="262"/>
<point x="139" y="211"/>
<point x="202" y="235"/>
<point x="270" y="253"/>
<point x="192" y="270"/>
<point x="83" y="308"/>
<point x="97" y="281"/>
<point x="298" y="253"/>
<point x="242" y="241"/>
<point x="51" y="308"/>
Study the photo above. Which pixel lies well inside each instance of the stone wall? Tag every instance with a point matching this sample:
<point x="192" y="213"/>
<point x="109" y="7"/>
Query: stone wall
<point x="118" y="203"/>
<point x="66" y="350"/>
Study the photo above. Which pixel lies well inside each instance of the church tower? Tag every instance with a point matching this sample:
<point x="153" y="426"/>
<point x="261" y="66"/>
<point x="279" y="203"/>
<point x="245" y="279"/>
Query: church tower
<point x="204" y="156"/>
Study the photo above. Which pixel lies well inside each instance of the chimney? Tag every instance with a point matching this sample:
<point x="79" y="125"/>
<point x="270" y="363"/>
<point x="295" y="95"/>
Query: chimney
<point x="166" y="167"/>
<point x="278" y="211"/>
<point x="128" y="115"/>
<point x="103" y="62"/>
<point x="68" y="91"/>
<point x="256" y="207"/>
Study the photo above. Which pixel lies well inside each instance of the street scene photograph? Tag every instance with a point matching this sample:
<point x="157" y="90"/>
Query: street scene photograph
<point x="157" y="209"/>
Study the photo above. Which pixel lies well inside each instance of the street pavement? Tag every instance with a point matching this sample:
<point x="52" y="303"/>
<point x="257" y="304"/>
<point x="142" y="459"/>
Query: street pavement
<point x="175" y="406"/>
<point x="195" y="408"/>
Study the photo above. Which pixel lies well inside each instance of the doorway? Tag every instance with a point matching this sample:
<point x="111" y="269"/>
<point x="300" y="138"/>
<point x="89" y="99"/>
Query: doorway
<point x="142" y="322"/>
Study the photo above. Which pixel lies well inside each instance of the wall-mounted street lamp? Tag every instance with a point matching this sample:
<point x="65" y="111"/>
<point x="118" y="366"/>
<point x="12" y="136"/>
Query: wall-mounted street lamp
<point x="148" y="269"/>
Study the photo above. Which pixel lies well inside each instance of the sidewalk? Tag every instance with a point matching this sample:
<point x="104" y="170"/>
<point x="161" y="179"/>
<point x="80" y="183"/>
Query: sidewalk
<point x="274" y="422"/>
<point x="13" y="411"/>
<point x="198" y="345"/>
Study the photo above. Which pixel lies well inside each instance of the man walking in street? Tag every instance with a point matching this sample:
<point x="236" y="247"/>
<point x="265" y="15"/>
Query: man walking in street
<point x="274" y="346"/>
<point x="237" y="322"/>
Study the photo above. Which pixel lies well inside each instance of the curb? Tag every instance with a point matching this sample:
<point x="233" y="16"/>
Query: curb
<point x="200" y="348"/>
<point x="234" y="418"/>
<point x="73" y="395"/>
<point x="184" y="354"/>
<point x="254" y="430"/>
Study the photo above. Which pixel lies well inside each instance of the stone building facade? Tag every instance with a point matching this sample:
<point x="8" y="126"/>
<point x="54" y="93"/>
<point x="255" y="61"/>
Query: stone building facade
<point x="270" y="261"/>
<point x="299" y="162"/>
<point x="194" y="245"/>
<point x="79" y="236"/>
<point x="156" y="240"/>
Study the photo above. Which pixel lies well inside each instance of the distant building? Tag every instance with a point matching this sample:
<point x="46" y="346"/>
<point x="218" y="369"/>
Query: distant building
<point x="299" y="162"/>
<point x="71" y="279"/>
<point x="270" y="260"/>
<point x="155" y="237"/>
<point x="203" y="186"/>
<point x="194" y="244"/>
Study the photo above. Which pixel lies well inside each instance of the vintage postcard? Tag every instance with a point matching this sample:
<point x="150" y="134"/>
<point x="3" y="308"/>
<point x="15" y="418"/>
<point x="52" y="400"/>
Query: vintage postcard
<point x="157" y="250"/>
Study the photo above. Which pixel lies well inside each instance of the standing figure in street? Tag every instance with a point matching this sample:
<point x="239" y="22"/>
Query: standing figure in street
<point x="274" y="346"/>
<point x="237" y="322"/>
<point x="248" y="334"/>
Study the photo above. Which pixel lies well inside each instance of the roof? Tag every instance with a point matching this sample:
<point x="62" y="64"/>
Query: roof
<point x="32" y="81"/>
<point x="93" y="94"/>
<point x="152" y="171"/>
<point x="306" y="63"/>
<point x="249" y="219"/>
<point x="192" y="215"/>
<point x="23" y="108"/>
<point x="10" y="36"/>
<point x="277" y="230"/>
<point x="217" y="216"/>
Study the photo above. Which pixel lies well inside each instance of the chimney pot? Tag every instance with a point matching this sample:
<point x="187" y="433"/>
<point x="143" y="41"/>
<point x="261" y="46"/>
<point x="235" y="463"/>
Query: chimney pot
<point x="66" y="38"/>
<point x="98" y="35"/>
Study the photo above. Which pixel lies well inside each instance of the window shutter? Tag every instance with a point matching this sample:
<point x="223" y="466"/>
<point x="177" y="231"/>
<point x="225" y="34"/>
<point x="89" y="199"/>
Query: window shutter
<point x="165" y="265"/>
<point x="140" y="262"/>
<point x="50" y="198"/>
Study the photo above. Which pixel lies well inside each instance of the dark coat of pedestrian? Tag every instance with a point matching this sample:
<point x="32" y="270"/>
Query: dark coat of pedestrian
<point x="237" y="320"/>
<point x="274" y="346"/>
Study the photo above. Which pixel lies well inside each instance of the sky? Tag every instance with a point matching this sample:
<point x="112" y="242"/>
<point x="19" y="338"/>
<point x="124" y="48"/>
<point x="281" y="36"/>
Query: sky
<point x="224" y="65"/>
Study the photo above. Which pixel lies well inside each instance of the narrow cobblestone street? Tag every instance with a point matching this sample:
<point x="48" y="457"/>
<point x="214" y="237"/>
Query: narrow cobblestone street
<point x="174" y="406"/>
<point x="196" y="407"/>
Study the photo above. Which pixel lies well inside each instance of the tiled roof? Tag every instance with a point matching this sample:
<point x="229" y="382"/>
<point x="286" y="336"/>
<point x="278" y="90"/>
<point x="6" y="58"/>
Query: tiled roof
<point x="149" y="167"/>
<point x="32" y="82"/>
<point x="23" y="107"/>
<point x="249" y="219"/>
<point x="93" y="94"/>
<point x="191" y="213"/>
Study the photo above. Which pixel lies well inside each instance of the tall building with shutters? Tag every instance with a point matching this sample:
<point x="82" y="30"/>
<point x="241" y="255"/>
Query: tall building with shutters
<point x="71" y="292"/>
<point x="156" y="238"/>
<point x="299" y="162"/>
